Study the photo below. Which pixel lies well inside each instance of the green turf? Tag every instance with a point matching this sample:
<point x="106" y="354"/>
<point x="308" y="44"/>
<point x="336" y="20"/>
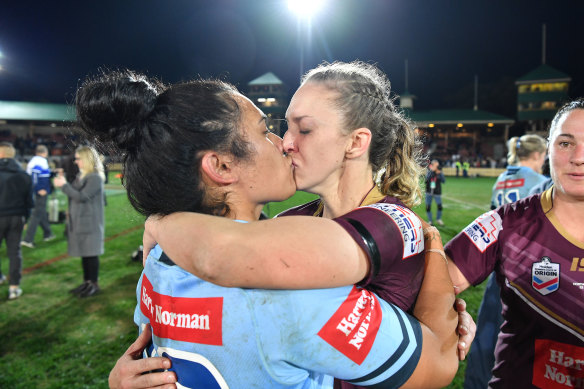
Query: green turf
<point x="49" y="339"/>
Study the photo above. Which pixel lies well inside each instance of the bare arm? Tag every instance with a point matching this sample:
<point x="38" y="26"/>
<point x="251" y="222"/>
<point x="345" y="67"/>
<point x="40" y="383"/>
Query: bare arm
<point x="295" y="252"/>
<point x="434" y="309"/>
<point x="457" y="277"/>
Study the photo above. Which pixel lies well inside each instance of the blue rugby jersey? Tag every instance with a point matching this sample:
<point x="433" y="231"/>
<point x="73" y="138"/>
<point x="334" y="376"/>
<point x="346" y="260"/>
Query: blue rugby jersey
<point x="246" y="338"/>
<point x="514" y="184"/>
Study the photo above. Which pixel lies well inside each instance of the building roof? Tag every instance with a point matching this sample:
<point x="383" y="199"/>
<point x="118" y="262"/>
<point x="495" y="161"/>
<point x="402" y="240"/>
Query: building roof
<point x="267" y="79"/>
<point x="21" y="110"/>
<point x="455" y="116"/>
<point x="543" y="73"/>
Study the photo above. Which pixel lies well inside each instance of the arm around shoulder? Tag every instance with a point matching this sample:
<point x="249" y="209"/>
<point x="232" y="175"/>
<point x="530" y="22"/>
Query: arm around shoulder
<point x="293" y="252"/>
<point x="435" y="311"/>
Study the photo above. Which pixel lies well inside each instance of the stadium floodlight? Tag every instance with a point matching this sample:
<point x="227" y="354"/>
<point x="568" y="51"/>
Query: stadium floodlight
<point x="305" y="8"/>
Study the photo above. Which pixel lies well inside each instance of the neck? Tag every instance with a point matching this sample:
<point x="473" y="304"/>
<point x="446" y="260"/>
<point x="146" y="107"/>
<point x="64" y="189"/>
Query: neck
<point x="530" y="163"/>
<point x="247" y="212"/>
<point x="569" y="212"/>
<point x="346" y="193"/>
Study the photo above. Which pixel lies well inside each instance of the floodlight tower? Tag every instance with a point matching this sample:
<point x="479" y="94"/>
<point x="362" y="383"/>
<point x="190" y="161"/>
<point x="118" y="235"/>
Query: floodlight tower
<point x="304" y="10"/>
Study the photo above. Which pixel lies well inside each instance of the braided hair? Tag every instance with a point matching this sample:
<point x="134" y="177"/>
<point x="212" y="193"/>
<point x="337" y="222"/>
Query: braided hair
<point x="363" y="98"/>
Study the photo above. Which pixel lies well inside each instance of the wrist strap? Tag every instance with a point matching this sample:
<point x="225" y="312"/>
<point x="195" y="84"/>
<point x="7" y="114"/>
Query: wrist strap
<point x="441" y="252"/>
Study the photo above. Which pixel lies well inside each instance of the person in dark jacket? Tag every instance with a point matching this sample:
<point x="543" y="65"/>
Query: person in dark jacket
<point x="15" y="204"/>
<point x="85" y="224"/>
<point x="434" y="181"/>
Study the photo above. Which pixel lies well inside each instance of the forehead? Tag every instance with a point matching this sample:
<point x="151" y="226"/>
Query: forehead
<point x="250" y="114"/>
<point x="310" y="99"/>
<point x="570" y="124"/>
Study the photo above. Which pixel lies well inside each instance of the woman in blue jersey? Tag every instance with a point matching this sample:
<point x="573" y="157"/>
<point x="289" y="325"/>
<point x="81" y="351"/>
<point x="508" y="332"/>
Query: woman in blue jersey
<point x="202" y="146"/>
<point x="526" y="157"/>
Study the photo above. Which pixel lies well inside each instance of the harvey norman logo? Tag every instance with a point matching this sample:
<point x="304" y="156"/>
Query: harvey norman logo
<point x="187" y="319"/>
<point x="353" y="327"/>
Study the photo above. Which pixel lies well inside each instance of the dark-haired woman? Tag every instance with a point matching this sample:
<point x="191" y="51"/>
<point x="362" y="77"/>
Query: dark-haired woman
<point x="526" y="157"/>
<point x="209" y="135"/>
<point x="535" y="247"/>
<point x="85" y="224"/>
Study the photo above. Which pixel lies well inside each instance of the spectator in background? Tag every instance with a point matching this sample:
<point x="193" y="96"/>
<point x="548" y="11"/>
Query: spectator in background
<point x="465" y="167"/>
<point x="526" y="156"/>
<point x="15" y="204"/>
<point x="434" y="181"/>
<point x="39" y="170"/>
<point x="85" y="224"/>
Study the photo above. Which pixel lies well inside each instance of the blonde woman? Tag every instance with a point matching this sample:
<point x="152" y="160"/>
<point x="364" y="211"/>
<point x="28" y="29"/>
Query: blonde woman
<point x="85" y="222"/>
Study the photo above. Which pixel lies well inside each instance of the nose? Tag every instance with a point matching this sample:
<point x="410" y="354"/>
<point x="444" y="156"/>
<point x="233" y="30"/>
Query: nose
<point x="289" y="142"/>
<point x="578" y="155"/>
<point x="277" y="141"/>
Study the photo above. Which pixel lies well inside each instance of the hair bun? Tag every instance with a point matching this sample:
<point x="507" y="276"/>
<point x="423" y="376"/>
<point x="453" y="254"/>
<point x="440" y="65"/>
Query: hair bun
<point x="116" y="105"/>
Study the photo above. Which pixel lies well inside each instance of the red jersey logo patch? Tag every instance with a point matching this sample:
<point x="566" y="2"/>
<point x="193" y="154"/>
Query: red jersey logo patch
<point x="354" y="326"/>
<point x="484" y="231"/>
<point x="187" y="319"/>
<point x="508" y="184"/>
<point x="557" y="365"/>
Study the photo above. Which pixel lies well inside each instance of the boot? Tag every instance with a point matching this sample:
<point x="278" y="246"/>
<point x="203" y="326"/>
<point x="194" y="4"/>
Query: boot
<point x="80" y="289"/>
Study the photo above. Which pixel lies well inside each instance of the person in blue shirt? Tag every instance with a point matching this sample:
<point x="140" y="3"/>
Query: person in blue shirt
<point x="202" y="146"/>
<point x="39" y="170"/>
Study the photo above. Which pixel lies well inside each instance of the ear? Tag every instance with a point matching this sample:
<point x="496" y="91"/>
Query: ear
<point x="218" y="168"/>
<point x="359" y="143"/>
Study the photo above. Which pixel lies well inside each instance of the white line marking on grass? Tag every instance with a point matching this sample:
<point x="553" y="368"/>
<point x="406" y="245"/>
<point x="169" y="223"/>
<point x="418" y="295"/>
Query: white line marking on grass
<point x="467" y="205"/>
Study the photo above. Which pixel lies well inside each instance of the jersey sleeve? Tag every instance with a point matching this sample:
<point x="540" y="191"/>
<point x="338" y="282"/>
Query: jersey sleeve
<point x="348" y="333"/>
<point x="474" y="249"/>
<point x="392" y="237"/>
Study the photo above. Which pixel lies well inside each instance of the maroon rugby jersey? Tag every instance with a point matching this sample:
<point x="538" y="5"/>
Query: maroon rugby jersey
<point x="391" y="235"/>
<point x="540" y="269"/>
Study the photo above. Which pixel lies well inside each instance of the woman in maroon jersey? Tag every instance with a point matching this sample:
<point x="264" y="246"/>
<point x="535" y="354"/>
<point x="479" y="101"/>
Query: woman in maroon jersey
<point x="536" y="248"/>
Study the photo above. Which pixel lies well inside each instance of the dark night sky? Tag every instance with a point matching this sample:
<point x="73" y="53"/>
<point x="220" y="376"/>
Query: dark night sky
<point x="49" y="46"/>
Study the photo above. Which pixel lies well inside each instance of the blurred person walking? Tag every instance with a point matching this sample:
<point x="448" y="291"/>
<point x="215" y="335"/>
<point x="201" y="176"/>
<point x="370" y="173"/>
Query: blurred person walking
<point x="85" y="221"/>
<point x="434" y="181"/>
<point x="15" y="204"/>
<point x="38" y="168"/>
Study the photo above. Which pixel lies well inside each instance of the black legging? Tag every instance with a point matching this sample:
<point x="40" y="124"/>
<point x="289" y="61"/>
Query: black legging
<point x="90" y="268"/>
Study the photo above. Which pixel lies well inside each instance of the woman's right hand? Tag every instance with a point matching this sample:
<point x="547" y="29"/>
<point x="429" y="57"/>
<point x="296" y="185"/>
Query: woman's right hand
<point x="129" y="371"/>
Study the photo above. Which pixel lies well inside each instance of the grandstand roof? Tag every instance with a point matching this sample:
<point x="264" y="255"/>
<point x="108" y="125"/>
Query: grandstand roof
<point x="21" y="110"/>
<point x="543" y="73"/>
<point x="454" y="116"/>
<point x="267" y="79"/>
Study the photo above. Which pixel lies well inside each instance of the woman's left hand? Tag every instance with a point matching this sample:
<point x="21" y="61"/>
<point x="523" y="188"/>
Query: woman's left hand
<point x="466" y="329"/>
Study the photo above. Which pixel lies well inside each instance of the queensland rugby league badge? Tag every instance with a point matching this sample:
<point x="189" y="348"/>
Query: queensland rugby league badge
<point x="545" y="276"/>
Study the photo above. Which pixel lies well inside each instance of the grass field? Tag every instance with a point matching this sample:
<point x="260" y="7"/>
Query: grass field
<point x="49" y="339"/>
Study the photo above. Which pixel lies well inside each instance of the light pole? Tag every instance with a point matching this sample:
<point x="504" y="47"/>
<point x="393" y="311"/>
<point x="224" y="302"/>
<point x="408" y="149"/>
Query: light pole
<point x="304" y="10"/>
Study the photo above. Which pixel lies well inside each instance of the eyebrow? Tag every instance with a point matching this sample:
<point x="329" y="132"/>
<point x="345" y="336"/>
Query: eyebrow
<point x="566" y="135"/>
<point x="298" y="118"/>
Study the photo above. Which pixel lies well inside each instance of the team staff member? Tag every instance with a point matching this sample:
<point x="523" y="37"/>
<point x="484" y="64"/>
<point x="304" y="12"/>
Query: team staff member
<point x="526" y="157"/>
<point x="536" y="248"/>
<point x="434" y="181"/>
<point x="297" y="338"/>
<point x="15" y="204"/>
